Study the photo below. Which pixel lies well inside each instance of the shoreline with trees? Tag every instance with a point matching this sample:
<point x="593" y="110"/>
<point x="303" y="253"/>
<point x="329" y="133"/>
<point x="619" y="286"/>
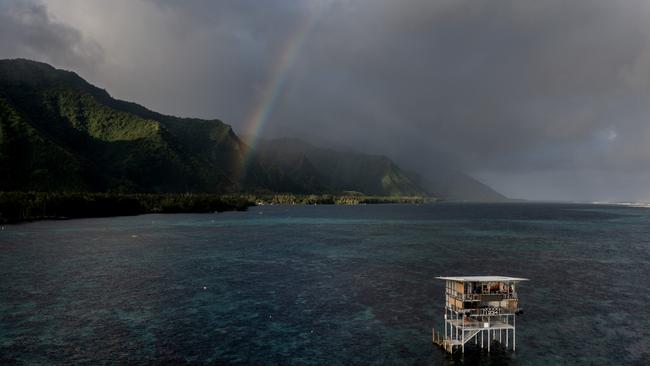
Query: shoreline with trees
<point x="18" y="207"/>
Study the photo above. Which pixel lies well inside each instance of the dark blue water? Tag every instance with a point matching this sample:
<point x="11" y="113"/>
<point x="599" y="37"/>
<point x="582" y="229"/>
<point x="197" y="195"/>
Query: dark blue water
<point x="322" y="285"/>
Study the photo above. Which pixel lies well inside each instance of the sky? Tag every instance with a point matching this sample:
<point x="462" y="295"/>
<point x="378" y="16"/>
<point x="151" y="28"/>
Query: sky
<point x="543" y="100"/>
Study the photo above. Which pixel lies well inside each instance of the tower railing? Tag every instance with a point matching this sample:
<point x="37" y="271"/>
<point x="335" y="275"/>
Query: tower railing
<point x="483" y="311"/>
<point x="478" y="297"/>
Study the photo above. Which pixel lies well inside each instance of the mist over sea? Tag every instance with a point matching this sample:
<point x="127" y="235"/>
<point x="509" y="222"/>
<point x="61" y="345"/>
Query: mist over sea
<point x="322" y="285"/>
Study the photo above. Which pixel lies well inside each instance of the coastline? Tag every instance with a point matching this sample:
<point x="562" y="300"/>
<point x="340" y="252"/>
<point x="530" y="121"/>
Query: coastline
<point x="16" y="207"/>
<point x="336" y="199"/>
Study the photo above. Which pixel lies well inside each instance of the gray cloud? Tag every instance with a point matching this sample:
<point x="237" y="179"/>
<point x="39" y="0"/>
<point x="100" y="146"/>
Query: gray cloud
<point x="27" y="30"/>
<point x="541" y="99"/>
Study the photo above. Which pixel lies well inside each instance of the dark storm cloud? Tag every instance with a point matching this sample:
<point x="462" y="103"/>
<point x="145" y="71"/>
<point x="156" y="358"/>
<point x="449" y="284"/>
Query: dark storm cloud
<point x="536" y="97"/>
<point x="27" y="30"/>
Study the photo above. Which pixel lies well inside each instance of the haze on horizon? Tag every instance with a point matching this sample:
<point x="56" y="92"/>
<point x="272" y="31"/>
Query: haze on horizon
<point x="538" y="99"/>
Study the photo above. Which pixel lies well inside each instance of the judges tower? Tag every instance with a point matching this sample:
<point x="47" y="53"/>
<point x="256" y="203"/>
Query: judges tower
<point x="479" y="308"/>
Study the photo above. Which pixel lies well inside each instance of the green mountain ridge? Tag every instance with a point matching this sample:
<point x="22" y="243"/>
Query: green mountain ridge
<point x="104" y="144"/>
<point x="60" y="133"/>
<point x="338" y="171"/>
<point x="341" y="171"/>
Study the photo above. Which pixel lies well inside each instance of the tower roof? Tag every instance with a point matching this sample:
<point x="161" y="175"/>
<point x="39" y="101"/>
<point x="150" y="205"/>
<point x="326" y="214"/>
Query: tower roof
<point x="483" y="279"/>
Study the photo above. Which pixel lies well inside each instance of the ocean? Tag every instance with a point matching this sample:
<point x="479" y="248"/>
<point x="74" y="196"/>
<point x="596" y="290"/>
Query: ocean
<point x="322" y="285"/>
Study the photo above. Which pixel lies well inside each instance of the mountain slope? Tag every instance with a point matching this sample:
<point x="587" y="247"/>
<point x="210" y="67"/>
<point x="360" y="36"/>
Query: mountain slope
<point x="30" y="162"/>
<point x="108" y="144"/>
<point x="337" y="171"/>
<point x="453" y="185"/>
<point x="376" y="175"/>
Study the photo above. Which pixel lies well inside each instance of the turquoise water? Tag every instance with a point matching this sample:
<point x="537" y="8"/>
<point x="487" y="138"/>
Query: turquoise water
<point x="298" y="285"/>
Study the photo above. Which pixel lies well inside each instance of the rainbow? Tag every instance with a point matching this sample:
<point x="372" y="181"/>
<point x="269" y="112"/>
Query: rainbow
<point x="279" y="72"/>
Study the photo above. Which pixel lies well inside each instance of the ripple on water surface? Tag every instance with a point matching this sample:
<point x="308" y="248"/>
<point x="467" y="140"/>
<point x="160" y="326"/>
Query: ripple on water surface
<point x="322" y="285"/>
